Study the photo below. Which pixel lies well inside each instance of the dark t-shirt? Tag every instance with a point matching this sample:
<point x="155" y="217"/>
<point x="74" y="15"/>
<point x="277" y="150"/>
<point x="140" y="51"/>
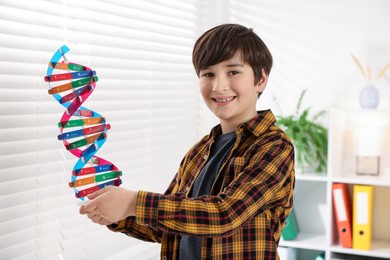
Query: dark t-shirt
<point x="190" y="246"/>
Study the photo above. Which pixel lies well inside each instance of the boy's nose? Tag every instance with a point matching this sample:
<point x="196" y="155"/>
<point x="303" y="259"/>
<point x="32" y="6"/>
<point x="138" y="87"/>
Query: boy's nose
<point x="220" y="84"/>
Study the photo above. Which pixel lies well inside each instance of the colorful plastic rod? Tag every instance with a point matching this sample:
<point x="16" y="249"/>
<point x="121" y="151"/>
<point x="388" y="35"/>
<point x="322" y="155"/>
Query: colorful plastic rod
<point x="71" y="90"/>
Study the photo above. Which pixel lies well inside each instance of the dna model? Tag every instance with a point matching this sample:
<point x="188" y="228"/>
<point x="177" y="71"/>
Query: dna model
<point x="88" y="130"/>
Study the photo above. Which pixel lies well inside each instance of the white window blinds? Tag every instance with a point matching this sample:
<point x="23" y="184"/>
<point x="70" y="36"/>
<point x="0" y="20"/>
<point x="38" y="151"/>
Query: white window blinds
<point x="147" y="90"/>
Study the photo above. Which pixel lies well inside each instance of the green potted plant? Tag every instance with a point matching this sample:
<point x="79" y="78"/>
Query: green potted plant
<point x="309" y="137"/>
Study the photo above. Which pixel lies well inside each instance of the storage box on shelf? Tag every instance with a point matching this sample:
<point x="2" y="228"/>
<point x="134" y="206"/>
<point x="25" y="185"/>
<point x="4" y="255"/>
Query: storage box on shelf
<point x="313" y="193"/>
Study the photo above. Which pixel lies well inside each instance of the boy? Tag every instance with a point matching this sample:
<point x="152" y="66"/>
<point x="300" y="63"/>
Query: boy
<point x="234" y="188"/>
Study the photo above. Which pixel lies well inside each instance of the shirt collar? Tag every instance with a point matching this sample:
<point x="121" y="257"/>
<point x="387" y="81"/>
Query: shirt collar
<point x="256" y="126"/>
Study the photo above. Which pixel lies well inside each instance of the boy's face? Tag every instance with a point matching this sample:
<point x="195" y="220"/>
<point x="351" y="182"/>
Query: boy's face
<point x="229" y="90"/>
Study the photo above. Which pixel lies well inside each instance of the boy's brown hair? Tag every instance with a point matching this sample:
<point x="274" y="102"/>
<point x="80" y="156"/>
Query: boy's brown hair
<point x="222" y="42"/>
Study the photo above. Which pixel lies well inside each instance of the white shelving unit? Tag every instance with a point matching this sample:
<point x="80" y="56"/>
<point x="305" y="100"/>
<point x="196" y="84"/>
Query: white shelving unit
<point x="313" y="192"/>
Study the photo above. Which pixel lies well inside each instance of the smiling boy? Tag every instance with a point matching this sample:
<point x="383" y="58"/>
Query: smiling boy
<point x="234" y="188"/>
<point x="229" y="92"/>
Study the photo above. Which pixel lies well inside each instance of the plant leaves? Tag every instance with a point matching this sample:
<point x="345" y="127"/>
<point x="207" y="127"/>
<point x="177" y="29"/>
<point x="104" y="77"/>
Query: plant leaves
<point x="309" y="137"/>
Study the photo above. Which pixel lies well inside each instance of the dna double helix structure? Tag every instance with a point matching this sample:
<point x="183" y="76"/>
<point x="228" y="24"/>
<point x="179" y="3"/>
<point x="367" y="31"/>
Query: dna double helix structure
<point x="82" y="131"/>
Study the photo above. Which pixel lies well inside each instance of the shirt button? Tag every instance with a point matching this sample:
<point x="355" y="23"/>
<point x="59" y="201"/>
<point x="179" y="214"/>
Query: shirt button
<point x="164" y="258"/>
<point x="205" y="157"/>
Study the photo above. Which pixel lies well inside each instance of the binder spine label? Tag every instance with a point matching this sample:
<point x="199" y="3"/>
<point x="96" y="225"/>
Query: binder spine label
<point x="342" y="214"/>
<point x="362" y="208"/>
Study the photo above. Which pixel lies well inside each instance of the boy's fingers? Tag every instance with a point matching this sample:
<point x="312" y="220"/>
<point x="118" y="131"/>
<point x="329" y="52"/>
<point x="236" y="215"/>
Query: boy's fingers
<point x="91" y="206"/>
<point x="82" y="210"/>
<point x="94" y="195"/>
<point x="86" y="210"/>
<point x="98" y="193"/>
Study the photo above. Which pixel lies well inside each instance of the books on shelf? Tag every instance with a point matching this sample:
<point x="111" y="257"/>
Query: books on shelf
<point x="355" y="231"/>
<point x="342" y="210"/>
<point x="362" y="216"/>
<point x="290" y="230"/>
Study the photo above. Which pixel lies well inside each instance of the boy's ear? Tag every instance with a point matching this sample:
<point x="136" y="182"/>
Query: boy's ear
<point x="262" y="83"/>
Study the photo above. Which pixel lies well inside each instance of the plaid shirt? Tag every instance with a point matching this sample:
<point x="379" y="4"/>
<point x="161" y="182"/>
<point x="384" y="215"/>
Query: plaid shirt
<point x="249" y="202"/>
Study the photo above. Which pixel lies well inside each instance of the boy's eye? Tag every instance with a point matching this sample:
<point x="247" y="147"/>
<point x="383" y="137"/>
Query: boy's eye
<point x="207" y="74"/>
<point x="233" y="72"/>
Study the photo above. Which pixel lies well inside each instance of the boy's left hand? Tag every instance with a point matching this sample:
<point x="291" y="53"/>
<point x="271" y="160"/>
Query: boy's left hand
<point x="110" y="204"/>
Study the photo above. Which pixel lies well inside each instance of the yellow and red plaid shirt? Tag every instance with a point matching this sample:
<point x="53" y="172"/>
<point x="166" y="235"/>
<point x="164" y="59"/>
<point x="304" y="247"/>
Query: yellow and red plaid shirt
<point x="249" y="202"/>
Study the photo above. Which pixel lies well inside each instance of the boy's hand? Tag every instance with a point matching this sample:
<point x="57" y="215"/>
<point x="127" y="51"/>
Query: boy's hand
<point x="110" y="204"/>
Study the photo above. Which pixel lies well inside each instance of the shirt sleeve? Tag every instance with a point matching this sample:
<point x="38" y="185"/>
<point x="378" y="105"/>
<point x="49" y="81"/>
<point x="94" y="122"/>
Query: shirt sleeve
<point x="264" y="181"/>
<point x="129" y="226"/>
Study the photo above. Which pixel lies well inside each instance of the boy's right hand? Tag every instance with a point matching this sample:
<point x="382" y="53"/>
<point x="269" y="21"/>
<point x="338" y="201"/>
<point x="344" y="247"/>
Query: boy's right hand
<point x="110" y="204"/>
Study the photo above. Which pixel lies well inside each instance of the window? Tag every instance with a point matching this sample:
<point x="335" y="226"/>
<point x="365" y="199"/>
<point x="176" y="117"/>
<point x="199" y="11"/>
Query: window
<point x="147" y="90"/>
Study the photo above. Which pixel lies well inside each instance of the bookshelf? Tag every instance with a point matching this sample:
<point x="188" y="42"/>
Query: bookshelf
<point x="313" y="191"/>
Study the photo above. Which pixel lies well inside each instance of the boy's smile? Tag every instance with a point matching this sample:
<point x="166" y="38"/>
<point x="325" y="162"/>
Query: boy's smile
<point x="222" y="101"/>
<point x="230" y="92"/>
